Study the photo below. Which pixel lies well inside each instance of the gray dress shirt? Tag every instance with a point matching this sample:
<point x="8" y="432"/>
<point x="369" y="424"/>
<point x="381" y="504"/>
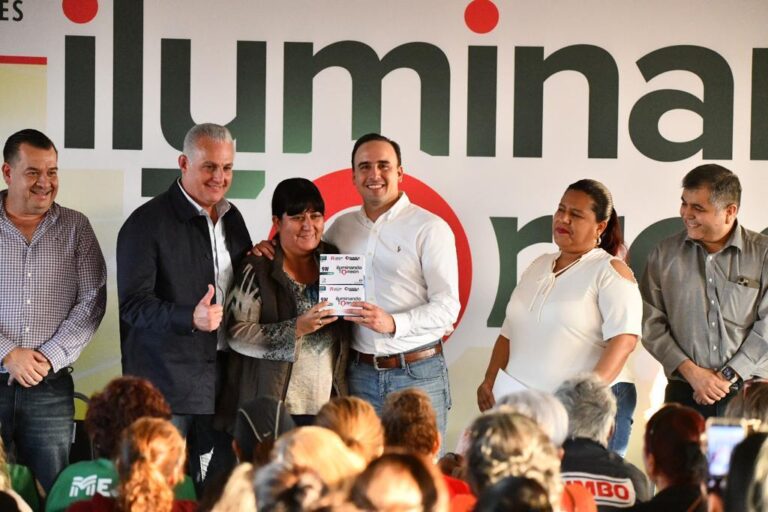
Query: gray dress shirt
<point x="709" y="308"/>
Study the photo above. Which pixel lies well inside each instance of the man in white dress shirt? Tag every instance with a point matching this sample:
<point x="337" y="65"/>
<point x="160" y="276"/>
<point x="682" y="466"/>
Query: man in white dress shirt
<point x="411" y="283"/>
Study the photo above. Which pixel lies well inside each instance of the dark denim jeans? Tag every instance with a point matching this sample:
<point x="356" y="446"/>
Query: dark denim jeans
<point x="626" y="400"/>
<point x="209" y="450"/>
<point x="37" y="424"/>
<point x="430" y="374"/>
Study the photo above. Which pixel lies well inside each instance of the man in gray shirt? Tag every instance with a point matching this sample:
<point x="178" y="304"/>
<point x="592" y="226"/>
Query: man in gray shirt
<point x="704" y="294"/>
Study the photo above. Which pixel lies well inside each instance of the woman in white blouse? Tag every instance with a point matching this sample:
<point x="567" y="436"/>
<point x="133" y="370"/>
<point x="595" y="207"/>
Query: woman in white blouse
<point x="575" y="310"/>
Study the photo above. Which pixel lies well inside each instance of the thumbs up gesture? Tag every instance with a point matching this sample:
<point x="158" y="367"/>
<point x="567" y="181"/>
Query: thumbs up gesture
<point x="206" y="316"/>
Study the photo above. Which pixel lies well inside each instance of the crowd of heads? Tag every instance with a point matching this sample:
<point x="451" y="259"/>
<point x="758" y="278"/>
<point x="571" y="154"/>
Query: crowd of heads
<point x="353" y="459"/>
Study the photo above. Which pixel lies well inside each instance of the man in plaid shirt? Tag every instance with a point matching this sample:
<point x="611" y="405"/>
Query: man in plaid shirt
<point x="53" y="281"/>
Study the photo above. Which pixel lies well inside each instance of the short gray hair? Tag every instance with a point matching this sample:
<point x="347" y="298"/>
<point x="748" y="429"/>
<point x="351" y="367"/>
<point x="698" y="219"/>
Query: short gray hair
<point x="724" y="186"/>
<point x="205" y="130"/>
<point x="591" y="407"/>
<point x="543" y="408"/>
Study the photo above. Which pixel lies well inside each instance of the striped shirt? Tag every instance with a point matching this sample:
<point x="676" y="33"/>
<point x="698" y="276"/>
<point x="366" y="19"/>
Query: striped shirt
<point x="53" y="287"/>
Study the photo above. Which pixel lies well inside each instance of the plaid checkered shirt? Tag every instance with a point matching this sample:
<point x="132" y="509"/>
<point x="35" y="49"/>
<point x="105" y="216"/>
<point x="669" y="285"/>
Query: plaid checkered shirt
<point x="53" y="289"/>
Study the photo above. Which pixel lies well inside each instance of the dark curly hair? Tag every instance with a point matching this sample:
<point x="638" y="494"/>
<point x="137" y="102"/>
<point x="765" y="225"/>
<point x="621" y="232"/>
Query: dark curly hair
<point x="117" y="406"/>
<point x="410" y="421"/>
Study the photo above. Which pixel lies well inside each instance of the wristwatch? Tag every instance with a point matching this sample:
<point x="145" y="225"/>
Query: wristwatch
<point x="731" y="376"/>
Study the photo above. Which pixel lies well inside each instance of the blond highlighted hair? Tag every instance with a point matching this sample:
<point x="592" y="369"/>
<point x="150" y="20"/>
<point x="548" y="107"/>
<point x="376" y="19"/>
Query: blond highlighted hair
<point x="238" y="494"/>
<point x="5" y="476"/>
<point x="322" y="451"/>
<point x="355" y="421"/>
<point x="506" y="444"/>
<point x="150" y="463"/>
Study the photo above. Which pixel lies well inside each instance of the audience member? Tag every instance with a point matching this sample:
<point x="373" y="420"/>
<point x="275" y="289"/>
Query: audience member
<point x="540" y="406"/>
<point x="614" y="483"/>
<point x="238" y="495"/>
<point x="674" y="460"/>
<point x="514" y="494"/>
<point x="543" y="408"/>
<point x="259" y="422"/>
<point x="281" y="486"/>
<point x="509" y="444"/>
<point x="150" y="463"/>
<point x="400" y="481"/>
<point x="550" y="415"/>
<point x="740" y="493"/>
<point x="322" y="451"/>
<point x="751" y="404"/>
<point x="758" y="488"/>
<point x="735" y="408"/>
<point x="452" y="464"/>
<point x="410" y="424"/>
<point x="356" y="423"/>
<point x="9" y="498"/>
<point x="117" y="406"/>
<point x="110" y="411"/>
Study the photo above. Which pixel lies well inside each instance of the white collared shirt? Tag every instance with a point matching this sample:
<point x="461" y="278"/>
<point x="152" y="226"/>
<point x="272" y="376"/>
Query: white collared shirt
<point x="411" y="272"/>
<point x="222" y="261"/>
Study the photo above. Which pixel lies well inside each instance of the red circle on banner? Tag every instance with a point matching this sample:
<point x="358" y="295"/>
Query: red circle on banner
<point x="481" y="16"/>
<point x="80" y="11"/>
<point x="339" y="193"/>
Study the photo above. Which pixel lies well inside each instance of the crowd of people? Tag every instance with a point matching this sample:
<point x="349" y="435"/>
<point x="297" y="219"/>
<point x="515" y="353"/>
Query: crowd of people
<point x="243" y="391"/>
<point x="533" y="451"/>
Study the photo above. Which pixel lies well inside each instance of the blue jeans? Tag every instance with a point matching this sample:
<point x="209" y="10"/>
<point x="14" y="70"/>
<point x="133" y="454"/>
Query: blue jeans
<point x="37" y="424"/>
<point x="626" y="400"/>
<point x="430" y="374"/>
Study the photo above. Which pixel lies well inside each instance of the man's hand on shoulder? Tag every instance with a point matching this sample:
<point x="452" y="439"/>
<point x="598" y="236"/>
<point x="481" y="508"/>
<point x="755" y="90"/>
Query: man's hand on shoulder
<point x="206" y="316"/>
<point x="708" y="385"/>
<point x="265" y="248"/>
<point x="372" y="317"/>
<point x="26" y="366"/>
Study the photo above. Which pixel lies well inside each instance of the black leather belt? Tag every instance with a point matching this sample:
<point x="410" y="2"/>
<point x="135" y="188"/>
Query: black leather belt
<point x="398" y="360"/>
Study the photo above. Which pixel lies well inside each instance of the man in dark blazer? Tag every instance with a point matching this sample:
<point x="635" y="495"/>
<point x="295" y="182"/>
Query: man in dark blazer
<point x="175" y="260"/>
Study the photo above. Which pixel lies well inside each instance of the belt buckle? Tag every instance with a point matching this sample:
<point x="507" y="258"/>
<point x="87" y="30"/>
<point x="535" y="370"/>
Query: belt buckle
<point x="376" y="364"/>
